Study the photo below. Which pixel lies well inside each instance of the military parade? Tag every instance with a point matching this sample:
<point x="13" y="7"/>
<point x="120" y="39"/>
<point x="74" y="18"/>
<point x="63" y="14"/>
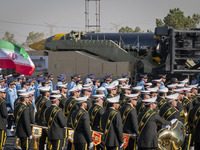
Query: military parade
<point x="112" y="114"/>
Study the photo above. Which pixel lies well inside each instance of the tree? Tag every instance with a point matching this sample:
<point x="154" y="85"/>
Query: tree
<point x="177" y="20"/>
<point x="9" y="37"/>
<point x="129" y="30"/>
<point x="34" y="37"/>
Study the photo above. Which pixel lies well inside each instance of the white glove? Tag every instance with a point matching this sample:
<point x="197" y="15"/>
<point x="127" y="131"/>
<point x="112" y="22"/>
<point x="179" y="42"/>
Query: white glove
<point x="121" y="146"/>
<point x="91" y="145"/>
<point x="30" y="137"/>
<point x="167" y="127"/>
<point x="173" y="121"/>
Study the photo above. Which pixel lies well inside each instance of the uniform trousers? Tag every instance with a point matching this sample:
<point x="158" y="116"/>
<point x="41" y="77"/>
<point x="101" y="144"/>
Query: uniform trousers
<point x="112" y="148"/>
<point x="196" y="146"/>
<point x="131" y="144"/>
<point x="80" y="146"/>
<point x="24" y="143"/>
<point x="55" y="144"/>
<point x="147" y="148"/>
<point x="2" y="138"/>
<point x="43" y="139"/>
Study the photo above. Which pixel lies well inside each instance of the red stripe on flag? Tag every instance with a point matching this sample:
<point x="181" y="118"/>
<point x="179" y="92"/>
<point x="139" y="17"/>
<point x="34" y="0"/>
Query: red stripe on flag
<point x="19" y="68"/>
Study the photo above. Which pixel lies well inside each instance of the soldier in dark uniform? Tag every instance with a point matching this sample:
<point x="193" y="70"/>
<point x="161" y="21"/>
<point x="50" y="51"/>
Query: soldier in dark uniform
<point x="147" y="128"/>
<point x="22" y="122"/>
<point x="86" y="91"/>
<point x="18" y="100"/>
<point x="170" y="106"/>
<point x="126" y="90"/>
<point x="31" y="107"/>
<point x="129" y="119"/>
<point x="193" y="96"/>
<point x="194" y="124"/>
<point x="161" y="97"/>
<point x="136" y="90"/>
<point x="3" y="118"/>
<point x="140" y="106"/>
<point x="112" y="91"/>
<point x="80" y="122"/>
<point x="95" y="112"/>
<point x="122" y="83"/>
<point x="70" y="106"/>
<point x="63" y="91"/>
<point x="41" y="105"/>
<point x="111" y="125"/>
<point x="56" y="122"/>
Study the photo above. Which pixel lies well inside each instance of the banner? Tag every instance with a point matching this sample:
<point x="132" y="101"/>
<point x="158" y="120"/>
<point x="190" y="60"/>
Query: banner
<point x="126" y="140"/>
<point x="96" y="138"/>
<point x="36" y="132"/>
<point x="71" y="135"/>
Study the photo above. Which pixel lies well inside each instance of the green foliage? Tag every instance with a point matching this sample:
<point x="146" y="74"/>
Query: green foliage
<point x="34" y="37"/>
<point x="9" y="37"/>
<point x="129" y="30"/>
<point x="177" y="20"/>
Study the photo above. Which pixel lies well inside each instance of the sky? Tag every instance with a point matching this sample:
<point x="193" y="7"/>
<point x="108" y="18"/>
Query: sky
<point x="23" y="16"/>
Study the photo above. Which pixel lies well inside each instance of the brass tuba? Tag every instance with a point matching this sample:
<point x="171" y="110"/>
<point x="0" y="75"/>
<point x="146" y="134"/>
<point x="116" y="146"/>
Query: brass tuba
<point x="172" y="139"/>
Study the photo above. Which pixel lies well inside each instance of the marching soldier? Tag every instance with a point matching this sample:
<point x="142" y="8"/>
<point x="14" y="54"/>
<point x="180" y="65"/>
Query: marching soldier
<point x="96" y="111"/>
<point x="147" y="128"/>
<point x="41" y="105"/>
<point x="56" y="122"/>
<point x="86" y="91"/>
<point x="129" y="119"/>
<point x="112" y="91"/>
<point x="22" y="122"/>
<point x="169" y="111"/>
<point x="161" y="97"/>
<point x="163" y="80"/>
<point x="31" y="107"/>
<point x="126" y="90"/>
<point x="111" y="125"/>
<point x="194" y="124"/>
<point x="80" y="122"/>
<point x="122" y="83"/>
<point x="70" y="106"/>
<point x="193" y="96"/>
<point x="95" y="86"/>
<point x="63" y="91"/>
<point x="3" y="117"/>
<point x="136" y="90"/>
<point x="107" y="80"/>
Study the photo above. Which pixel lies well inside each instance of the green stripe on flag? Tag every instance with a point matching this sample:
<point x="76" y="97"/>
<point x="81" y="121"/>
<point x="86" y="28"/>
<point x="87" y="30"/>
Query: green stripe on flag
<point x="14" y="47"/>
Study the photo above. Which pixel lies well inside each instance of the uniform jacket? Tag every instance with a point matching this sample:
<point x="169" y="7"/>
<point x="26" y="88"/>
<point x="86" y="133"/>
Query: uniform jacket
<point x="3" y="114"/>
<point x="82" y="134"/>
<point x="148" y="137"/>
<point x="57" y="130"/>
<point x="115" y="134"/>
<point x="23" y="129"/>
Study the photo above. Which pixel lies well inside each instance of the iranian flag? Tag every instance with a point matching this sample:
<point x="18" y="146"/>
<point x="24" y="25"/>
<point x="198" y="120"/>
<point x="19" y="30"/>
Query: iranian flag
<point x="12" y="56"/>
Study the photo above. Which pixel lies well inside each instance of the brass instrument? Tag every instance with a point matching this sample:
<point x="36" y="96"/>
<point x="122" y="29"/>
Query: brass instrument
<point x="172" y="139"/>
<point x="184" y="114"/>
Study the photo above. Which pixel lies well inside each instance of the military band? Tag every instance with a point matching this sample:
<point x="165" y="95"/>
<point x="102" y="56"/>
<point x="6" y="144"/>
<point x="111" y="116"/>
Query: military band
<point x="114" y="110"/>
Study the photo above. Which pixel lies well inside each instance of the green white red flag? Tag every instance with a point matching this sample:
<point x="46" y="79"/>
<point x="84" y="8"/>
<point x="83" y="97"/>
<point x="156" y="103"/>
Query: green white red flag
<point x="12" y="56"/>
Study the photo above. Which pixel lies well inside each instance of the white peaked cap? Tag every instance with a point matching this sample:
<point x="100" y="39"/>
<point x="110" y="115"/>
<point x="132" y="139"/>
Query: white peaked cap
<point x="172" y="86"/>
<point x="126" y="87"/>
<point x="157" y="80"/>
<point x="145" y="92"/>
<point x="132" y="96"/>
<point x="150" y="100"/>
<point x="147" y="84"/>
<point x="98" y="96"/>
<point x="55" y="97"/>
<point x="163" y="90"/>
<point x="111" y="86"/>
<point x="25" y="94"/>
<point x="155" y="89"/>
<point x="193" y="86"/>
<point x="62" y="85"/>
<point x="3" y="90"/>
<point x="44" y="88"/>
<point x="171" y="97"/>
<point x="115" y="83"/>
<point x="100" y="89"/>
<point x="114" y="99"/>
<point x="184" y="81"/>
<point x="76" y="88"/>
<point x="122" y="79"/>
<point x="180" y="85"/>
<point x="137" y="88"/>
<point x="31" y="92"/>
<point x="81" y="99"/>
<point x="55" y="92"/>
<point x="21" y="91"/>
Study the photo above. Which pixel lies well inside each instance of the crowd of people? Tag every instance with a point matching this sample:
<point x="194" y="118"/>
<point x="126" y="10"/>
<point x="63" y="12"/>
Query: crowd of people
<point x="112" y="108"/>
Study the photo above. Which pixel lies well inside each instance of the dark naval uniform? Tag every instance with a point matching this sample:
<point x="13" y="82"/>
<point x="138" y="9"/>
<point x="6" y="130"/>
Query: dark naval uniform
<point x="23" y="127"/>
<point x="130" y="123"/>
<point x="80" y="121"/>
<point x="187" y="104"/>
<point x="111" y="125"/>
<point x="62" y="102"/>
<point x="140" y="107"/>
<point x="161" y="101"/>
<point x="3" y="122"/>
<point x="95" y="113"/>
<point x="147" y="129"/>
<point x="41" y="105"/>
<point x="56" y="122"/>
<point x="31" y="112"/>
<point x="169" y="112"/>
<point x="69" y="107"/>
<point x="194" y="124"/>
